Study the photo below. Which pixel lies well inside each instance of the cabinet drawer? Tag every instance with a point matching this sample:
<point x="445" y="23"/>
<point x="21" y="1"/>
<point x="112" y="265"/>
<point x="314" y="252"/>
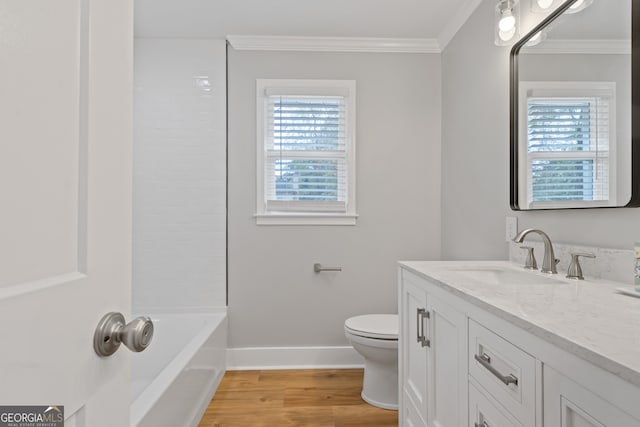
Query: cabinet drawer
<point x="505" y="371"/>
<point x="483" y="412"/>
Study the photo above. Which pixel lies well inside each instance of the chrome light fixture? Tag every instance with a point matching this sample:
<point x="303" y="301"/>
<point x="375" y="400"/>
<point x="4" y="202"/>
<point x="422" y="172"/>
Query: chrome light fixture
<point x="507" y="17"/>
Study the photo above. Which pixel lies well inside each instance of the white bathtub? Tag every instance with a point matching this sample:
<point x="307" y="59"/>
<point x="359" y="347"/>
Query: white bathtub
<point x="174" y="379"/>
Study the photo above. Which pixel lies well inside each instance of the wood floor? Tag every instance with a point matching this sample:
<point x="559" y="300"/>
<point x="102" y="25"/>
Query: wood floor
<point x="295" y="398"/>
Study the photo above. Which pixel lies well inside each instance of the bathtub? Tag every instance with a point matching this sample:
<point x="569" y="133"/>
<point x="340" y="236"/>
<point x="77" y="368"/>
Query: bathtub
<point x="173" y="381"/>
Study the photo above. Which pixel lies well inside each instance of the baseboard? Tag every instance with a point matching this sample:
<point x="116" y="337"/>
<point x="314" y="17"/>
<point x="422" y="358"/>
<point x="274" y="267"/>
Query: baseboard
<point x="261" y="358"/>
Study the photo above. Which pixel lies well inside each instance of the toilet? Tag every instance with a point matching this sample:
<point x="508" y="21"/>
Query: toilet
<point x="375" y="337"/>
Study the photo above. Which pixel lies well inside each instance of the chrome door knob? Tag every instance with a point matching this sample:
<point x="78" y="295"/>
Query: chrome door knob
<point x="137" y="334"/>
<point x="112" y="331"/>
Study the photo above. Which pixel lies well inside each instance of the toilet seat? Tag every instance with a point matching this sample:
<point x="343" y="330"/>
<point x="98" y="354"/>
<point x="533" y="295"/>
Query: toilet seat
<point x="376" y="326"/>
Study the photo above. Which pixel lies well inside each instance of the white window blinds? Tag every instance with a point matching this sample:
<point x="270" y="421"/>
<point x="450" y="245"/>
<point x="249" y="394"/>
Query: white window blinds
<point x="306" y="153"/>
<point x="568" y="145"/>
<point x="306" y="147"/>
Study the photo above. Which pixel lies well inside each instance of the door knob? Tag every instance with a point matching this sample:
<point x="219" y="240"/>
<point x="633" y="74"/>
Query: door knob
<point x="112" y="331"/>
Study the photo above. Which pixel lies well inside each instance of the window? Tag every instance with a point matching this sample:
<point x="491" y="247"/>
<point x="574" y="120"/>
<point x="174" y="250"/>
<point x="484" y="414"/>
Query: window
<point x="570" y="138"/>
<point x="305" y="152"/>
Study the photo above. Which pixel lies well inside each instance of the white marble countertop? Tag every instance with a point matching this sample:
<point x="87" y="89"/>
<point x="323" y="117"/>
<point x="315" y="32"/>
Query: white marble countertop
<point x="587" y="318"/>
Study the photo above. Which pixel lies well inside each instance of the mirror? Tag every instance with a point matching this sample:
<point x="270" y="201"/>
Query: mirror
<point x="575" y="129"/>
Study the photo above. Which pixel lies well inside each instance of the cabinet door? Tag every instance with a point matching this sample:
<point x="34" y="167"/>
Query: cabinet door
<point x="447" y="368"/>
<point x="410" y="416"/>
<point x="413" y="354"/>
<point x="568" y="404"/>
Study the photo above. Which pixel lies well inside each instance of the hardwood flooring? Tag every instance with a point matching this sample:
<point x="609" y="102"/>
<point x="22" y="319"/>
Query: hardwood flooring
<point x="295" y="398"/>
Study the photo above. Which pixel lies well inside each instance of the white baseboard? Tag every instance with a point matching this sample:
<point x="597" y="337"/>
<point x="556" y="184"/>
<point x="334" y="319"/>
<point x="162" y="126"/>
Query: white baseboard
<point x="261" y="358"/>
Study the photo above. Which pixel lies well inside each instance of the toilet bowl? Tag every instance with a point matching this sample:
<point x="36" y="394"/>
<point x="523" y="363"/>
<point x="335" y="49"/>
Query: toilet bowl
<point x="375" y="337"/>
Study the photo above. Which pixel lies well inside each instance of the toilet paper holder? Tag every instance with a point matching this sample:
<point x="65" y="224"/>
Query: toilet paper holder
<point x="317" y="267"/>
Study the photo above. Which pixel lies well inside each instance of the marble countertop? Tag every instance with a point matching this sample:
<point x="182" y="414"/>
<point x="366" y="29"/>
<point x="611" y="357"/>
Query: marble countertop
<point x="587" y="318"/>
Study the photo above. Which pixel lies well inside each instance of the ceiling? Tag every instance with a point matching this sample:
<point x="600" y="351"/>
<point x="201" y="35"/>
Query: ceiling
<point x="430" y="19"/>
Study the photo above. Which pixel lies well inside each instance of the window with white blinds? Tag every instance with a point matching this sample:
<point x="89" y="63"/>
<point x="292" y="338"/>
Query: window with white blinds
<point x="568" y="152"/>
<point x="305" y="147"/>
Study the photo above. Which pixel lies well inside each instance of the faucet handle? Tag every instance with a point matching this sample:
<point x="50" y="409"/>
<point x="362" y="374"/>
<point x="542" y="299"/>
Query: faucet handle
<point x="530" y="263"/>
<point x="575" y="271"/>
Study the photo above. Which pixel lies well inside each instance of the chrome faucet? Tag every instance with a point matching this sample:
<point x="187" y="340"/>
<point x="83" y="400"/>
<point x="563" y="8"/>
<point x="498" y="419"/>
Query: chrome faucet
<point x="549" y="262"/>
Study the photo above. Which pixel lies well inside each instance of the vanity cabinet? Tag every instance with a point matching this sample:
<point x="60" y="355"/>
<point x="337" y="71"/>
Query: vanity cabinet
<point x="432" y="357"/>
<point x="461" y="365"/>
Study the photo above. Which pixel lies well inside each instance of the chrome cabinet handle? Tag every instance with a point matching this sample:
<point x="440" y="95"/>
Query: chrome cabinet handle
<point x="485" y="361"/>
<point x="422" y="339"/>
<point x="484" y="424"/>
<point x="112" y="331"/>
<point x="419" y="313"/>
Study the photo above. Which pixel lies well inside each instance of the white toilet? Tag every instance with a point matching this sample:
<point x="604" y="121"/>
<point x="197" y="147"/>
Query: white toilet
<point x="375" y="337"/>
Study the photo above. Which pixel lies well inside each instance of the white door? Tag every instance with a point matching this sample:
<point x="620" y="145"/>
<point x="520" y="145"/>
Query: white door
<point x="65" y="203"/>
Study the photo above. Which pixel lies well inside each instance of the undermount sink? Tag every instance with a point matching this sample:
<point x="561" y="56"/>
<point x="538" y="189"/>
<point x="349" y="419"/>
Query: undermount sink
<point x="500" y="276"/>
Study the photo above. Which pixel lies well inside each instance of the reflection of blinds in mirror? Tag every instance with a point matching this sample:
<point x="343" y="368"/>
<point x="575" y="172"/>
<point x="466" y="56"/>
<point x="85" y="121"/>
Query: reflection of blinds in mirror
<point x="568" y="148"/>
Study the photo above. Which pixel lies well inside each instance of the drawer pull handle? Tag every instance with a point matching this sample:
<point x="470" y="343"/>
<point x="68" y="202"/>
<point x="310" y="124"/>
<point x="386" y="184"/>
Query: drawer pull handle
<point x="485" y="361"/>
<point x="421" y="315"/>
<point x="484" y="424"/>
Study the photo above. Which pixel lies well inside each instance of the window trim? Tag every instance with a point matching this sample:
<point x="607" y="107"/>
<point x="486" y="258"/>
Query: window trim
<point x="307" y="87"/>
<point x="570" y="89"/>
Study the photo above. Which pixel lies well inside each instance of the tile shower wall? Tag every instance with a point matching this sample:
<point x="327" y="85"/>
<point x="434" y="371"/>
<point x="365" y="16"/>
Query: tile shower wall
<point x="179" y="217"/>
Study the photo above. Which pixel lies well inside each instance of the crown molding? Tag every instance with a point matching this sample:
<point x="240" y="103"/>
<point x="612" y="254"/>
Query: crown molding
<point x="334" y="44"/>
<point x="453" y="26"/>
<point x="589" y="47"/>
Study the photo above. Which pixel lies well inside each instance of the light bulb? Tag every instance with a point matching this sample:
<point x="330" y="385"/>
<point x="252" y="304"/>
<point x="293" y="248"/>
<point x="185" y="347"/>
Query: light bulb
<point x="577" y="4"/>
<point x="507" y="35"/>
<point x="544" y="4"/>
<point x="506" y="16"/>
<point x="507" y="22"/>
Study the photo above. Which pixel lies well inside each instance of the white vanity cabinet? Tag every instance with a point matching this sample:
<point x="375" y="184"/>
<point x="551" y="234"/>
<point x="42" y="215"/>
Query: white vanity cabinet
<point x="464" y="364"/>
<point x="432" y="357"/>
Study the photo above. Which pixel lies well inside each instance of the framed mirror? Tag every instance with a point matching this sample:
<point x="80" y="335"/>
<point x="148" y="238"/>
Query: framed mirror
<point x="575" y="114"/>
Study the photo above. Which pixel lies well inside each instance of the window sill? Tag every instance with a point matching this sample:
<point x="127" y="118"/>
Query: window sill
<point x="305" y="219"/>
<point x="572" y="204"/>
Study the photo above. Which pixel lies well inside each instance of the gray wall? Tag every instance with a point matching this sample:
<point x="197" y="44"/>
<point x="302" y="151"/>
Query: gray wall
<point x="475" y="157"/>
<point x="275" y="299"/>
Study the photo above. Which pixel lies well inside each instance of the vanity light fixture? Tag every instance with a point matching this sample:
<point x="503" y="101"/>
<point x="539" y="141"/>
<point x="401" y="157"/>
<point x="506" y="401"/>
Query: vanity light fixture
<point x="506" y="22"/>
<point x="579" y="6"/>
